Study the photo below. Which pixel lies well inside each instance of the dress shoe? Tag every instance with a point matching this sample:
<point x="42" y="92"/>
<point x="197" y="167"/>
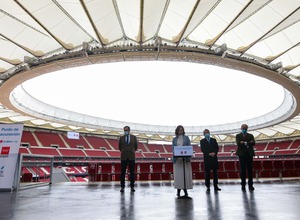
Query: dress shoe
<point x="208" y="190"/>
<point x="122" y="189"/>
<point x="251" y="188"/>
<point x="132" y="189"/>
<point x="217" y="189"/>
<point x="243" y="188"/>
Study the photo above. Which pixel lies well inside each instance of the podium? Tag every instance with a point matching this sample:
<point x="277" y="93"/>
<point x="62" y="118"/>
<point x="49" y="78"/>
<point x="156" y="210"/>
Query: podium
<point x="183" y="152"/>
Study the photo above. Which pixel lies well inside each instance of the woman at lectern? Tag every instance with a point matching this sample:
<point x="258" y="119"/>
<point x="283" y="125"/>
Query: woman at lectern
<point x="182" y="165"/>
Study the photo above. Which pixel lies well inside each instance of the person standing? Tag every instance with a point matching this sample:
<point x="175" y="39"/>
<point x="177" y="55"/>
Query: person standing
<point x="210" y="149"/>
<point x="181" y="165"/>
<point x="127" y="145"/>
<point x="245" y="142"/>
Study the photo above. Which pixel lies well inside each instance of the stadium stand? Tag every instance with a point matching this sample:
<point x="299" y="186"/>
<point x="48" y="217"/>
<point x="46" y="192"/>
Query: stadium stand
<point x="96" y="153"/>
<point x="48" y="139"/>
<point x="97" y="142"/>
<point x="142" y="147"/>
<point x="295" y="144"/>
<point x="260" y="147"/>
<point x="153" y="161"/>
<point x="75" y="143"/>
<point x="28" y="138"/>
<point x="156" y="148"/>
<point x="283" y="145"/>
<point x="72" y="152"/>
<point x="168" y="148"/>
<point x="45" y="151"/>
<point x="23" y="150"/>
<point x="112" y="144"/>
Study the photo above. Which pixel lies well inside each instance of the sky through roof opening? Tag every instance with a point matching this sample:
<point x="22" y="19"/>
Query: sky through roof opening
<point x="159" y="93"/>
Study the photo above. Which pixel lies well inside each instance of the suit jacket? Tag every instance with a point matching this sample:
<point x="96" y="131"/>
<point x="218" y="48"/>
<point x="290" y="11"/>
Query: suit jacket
<point x="128" y="150"/>
<point x="209" y="147"/>
<point x="186" y="142"/>
<point x="243" y="149"/>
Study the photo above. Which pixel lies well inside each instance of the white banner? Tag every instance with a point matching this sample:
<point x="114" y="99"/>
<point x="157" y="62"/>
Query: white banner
<point x="10" y="138"/>
<point x="73" y="135"/>
<point x="183" y="151"/>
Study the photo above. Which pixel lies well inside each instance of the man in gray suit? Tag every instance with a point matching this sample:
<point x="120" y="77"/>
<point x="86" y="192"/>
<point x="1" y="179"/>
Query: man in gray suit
<point x="127" y="145"/>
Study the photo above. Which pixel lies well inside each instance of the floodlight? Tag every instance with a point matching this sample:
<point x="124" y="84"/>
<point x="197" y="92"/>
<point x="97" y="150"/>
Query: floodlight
<point x="221" y="49"/>
<point x="86" y="47"/>
<point x="157" y="42"/>
<point x="31" y="60"/>
<point x="276" y="66"/>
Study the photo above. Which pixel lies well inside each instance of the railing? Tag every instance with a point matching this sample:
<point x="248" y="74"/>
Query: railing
<point x="35" y="176"/>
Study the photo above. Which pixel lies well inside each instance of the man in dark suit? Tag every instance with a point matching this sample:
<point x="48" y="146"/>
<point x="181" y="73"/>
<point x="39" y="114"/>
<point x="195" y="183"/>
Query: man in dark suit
<point x="127" y="145"/>
<point x="245" y="142"/>
<point x="210" y="149"/>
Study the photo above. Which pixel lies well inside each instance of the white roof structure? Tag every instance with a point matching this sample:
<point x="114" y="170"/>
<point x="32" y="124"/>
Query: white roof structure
<point x="37" y="37"/>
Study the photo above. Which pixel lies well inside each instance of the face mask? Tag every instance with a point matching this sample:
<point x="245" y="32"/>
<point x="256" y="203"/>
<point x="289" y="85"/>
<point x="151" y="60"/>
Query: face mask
<point x="207" y="135"/>
<point x="244" y="131"/>
<point x="126" y="132"/>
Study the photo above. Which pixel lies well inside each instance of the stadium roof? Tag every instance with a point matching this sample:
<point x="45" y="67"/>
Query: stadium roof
<point x="260" y="37"/>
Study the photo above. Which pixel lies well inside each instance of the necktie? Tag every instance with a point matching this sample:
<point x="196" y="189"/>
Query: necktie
<point x="127" y="139"/>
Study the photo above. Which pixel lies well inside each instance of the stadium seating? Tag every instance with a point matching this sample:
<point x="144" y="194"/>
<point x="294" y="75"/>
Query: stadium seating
<point x="23" y="150"/>
<point x="153" y="161"/>
<point x="28" y="138"/>
<point x="295" y="144"/>
<point x="48" y="139"/>
<point x="97" y="142"/>
<point x="113" y="144"/>
<point x="72" y="152"/>
<point x="168" y="148"/>
<point x="96" y="153"/>
<point x="44" y="151"/>
<point x="76" y="143"/>
<point x="280" y="145"/>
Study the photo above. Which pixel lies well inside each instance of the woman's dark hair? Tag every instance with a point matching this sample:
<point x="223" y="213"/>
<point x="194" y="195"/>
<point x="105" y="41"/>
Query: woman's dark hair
<point x="178" y="127"/>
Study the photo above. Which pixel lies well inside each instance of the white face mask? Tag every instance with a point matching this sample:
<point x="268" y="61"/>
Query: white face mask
<point x="126" y="132"/>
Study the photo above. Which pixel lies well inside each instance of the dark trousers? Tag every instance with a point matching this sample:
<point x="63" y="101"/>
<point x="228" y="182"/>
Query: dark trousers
<point x="207" y="177"/>
<point x="246" y="164"/>
<point x="124" y="164"/>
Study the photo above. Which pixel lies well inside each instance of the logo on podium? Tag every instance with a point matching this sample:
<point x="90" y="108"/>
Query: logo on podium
<point x="183" y="151"/>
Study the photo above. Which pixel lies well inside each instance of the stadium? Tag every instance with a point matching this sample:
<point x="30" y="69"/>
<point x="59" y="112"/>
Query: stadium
<point x="256" y="38"/>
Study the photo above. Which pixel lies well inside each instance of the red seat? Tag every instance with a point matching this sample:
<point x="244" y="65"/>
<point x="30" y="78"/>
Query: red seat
<point x="169" y="167"/>
<point x="157" y="167"/>
<point x="166" y="176"/>
<point x="257" y="165"/>
<point x="198" y="175"/>
<point x="267" y="166"/>
<point x="143" y="176"/>
<point x="195" y="166"/>
<point x="221" y="175"/>
<point x="106" y="168"/>
<point x="278" y="165"/>
<point x="297" y="164"/>
<point x="116" y="168"/>
<point x="229" y="166"/>
<point x="144" y="168"/>
<point x="233" y="175"/>
<point x="289" y="165"/>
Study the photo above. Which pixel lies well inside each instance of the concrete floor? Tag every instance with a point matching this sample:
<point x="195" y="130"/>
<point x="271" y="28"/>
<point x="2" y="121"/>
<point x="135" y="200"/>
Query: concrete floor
<point x="152" y="200"/>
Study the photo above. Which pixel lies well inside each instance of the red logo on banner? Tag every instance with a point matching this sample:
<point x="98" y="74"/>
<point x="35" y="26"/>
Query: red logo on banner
<point x="5" y="150"/>
<point x="1" y="141"/>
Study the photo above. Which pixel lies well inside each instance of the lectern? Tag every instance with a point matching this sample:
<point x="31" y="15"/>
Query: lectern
<point x="183" y="152"/>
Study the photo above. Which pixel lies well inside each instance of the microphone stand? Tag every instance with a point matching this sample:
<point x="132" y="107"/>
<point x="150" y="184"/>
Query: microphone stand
<point x="185" y="196"/>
